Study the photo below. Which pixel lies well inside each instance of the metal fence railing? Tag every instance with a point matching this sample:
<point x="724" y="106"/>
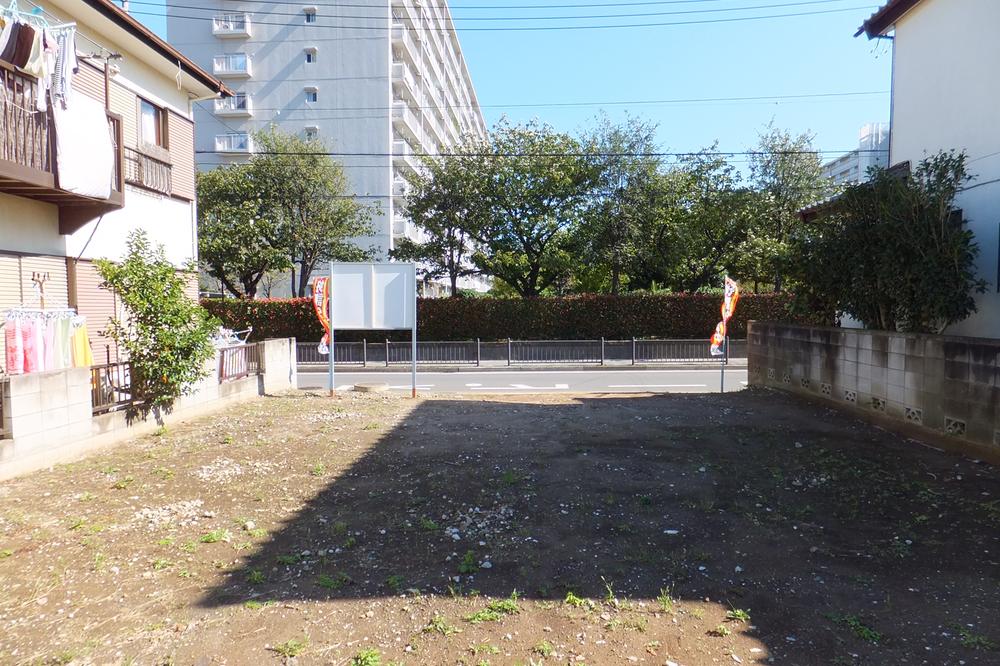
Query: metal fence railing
<point x="110" y="387"/>
<point x="241" y="361"/>
<point x="519" y="352"/>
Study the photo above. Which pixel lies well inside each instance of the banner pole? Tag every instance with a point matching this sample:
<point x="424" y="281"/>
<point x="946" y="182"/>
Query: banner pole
<point x="413" y="336"/>
<point x="722" y="364"/>
<point x="332" y="370"/>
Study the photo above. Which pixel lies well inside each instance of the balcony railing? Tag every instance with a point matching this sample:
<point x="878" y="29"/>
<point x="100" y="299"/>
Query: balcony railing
<point x="237" y="142"/>
<point x="27" y="153"/>
<point x="232" y="65"/>
<point x="147" y="172"/>
<point x="231" y="25"/>
<point x="239" y="104"/>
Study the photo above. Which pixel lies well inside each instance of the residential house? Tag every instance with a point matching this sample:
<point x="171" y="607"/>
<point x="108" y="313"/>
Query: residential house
<point x="52" y="228"/>
<point x="945" y="94"/>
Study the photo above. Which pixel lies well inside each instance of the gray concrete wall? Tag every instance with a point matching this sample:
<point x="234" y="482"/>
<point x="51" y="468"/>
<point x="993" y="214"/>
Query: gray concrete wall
<point x="48" y="416"/>
<point x="946" y="387"/>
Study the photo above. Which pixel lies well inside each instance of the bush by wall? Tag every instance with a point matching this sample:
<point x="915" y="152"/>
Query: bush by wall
<point x="574" y="318"/>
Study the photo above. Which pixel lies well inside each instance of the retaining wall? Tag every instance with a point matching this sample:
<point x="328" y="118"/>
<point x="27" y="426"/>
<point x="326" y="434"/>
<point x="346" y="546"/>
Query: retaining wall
<point x="943" y="386"/>
<point x="48" y="416"/>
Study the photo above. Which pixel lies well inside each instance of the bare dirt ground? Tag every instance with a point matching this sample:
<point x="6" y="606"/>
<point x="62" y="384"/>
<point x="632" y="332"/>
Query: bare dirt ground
<point x="744" y="528"/>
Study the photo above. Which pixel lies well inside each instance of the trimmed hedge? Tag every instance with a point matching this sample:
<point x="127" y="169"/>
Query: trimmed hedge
<point x="574" y="318"/>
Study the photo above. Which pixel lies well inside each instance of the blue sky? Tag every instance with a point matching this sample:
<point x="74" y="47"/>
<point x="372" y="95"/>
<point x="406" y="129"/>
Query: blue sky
<point x="803" y="55"/>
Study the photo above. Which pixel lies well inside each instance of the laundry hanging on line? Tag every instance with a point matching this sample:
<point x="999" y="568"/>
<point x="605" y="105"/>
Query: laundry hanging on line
<point x="45" y="52"/>
<point x="46" y="340"/>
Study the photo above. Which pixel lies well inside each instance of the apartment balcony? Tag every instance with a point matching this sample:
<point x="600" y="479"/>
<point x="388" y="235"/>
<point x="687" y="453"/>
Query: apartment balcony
<point x="406" y="122"/>
<point x="403" y="78"/>
<point x="400" y="188"/>
<point x="232" y="26"/>
<point x="148" y="172"/>
<point x="403" y="156"/>
<point x="234" y="143"/>
<point x="232" y="66"/>
<point x="404" y="10"/>
<point x="403" y="41"/>
<point x="28" y="159"/>
<point x="239" y="105"/>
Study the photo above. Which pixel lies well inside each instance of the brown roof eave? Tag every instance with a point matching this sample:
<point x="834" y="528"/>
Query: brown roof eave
<point x="114" y="13"/>
<point x="882" y="21"/>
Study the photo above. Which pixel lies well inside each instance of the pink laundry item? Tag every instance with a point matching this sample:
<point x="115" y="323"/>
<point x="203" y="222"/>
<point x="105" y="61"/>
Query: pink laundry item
<point x="13" y="335"/>
<point x="32" y="343"/>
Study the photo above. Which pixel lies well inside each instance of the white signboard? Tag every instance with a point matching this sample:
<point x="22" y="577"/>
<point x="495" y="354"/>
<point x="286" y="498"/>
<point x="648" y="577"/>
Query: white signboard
<point x="369" y="297"/>
<point x="373" y="297"/>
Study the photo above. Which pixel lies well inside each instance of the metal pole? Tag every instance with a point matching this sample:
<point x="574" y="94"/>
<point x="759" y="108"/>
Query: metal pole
<point x="479" y="353"/>
<point x="364" y="352"/>
<point x="722" y="364"/>
<point x="387" y="352"/>
<point x="508" y="352"/>
<point x="332" y="361"/>
<point x="413" y="352"/>
<point x="633" y="351"/>
<point x="602" y="350"/>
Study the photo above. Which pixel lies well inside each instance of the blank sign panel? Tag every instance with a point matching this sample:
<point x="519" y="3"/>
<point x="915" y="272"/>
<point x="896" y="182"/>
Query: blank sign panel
<point x="373" y="296"/>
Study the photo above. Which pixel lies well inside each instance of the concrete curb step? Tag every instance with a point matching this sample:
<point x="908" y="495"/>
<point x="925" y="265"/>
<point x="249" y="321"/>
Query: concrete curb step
<point x="734" y="364"/>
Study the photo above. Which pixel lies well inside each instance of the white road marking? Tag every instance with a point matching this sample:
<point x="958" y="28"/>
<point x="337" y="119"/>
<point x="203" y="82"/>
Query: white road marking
<point x="657" y="385"/>
<point x="473" y="385"/>
<point x="522" y="387"/>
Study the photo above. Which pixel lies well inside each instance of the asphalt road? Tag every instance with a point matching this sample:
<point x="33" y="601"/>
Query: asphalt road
<point x="542" y="381"/>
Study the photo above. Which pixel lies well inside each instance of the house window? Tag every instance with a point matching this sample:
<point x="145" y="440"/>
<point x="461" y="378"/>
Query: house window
<point x="151" y="124"/>
<point x="310" y="14"/>
<point x="311" y="55"/>
<point x="312" y="95"/>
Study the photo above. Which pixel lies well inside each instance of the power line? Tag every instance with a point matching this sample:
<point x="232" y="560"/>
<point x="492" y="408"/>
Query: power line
<point x="450" y="6"/>
<point x="533" y="105"/>
<point x="799" y="3"/>
<point x="710" y="153"/>
<point x="385" y="28"/>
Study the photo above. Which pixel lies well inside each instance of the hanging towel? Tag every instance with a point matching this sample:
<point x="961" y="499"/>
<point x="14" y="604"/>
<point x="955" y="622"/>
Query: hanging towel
<point x="10" y="41"/>
<point x="85" y="155"/>
<point x="64" y="343"/>
<point x="66" y="66"/>
<point x="13" y="334"/>
<point x="22" y="46"/>
<point x="34" y="64"/>
<point x="83" y="357"/>
<point x="34" y="345"/>
<point x="50" y="344"/>
<point x="5" y="34"/>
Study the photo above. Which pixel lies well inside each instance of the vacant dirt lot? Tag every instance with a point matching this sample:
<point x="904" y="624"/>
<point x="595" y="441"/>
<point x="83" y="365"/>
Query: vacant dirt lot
<point x="745" y="528"/>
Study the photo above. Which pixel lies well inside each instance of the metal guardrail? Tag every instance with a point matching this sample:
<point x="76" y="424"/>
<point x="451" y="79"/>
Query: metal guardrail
<point x="520" y="352"/>
<point x="110" y="387"/>
<point x="241" y="361"/>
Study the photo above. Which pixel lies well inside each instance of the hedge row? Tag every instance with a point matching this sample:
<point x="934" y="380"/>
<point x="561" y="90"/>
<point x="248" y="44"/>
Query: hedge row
<point x="575" y="318"/>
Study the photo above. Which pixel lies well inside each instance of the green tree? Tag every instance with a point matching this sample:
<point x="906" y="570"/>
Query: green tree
<point x="702" y="215"/>
<point x="625" y="170"/>
<point x="165" y="335"/>
<point x="442" y="204"/>
<point x="787" y="173"/>
<point x="318" y="217"/>
<point x="893" y="253"/>
<point x="530" y="186"/>
<point x="239" y="233"/>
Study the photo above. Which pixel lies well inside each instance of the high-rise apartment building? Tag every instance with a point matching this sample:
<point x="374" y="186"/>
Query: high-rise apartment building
<point x="378" y="81"/>
<point x="873" y="150"/>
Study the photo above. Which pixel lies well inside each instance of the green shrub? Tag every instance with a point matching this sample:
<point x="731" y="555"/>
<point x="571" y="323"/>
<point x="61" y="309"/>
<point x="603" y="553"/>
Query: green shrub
<point x="572" y="318"/>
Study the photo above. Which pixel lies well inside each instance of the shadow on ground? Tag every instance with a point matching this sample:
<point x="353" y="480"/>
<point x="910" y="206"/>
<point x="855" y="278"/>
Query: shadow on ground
<point x="839" y="538"/>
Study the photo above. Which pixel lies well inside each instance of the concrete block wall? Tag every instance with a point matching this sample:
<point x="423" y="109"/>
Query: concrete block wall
<point x="947" y="386"/>
<point x="48" y="417"/>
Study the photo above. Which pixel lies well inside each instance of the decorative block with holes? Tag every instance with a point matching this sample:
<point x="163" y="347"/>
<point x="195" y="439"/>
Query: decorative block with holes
<point x="954" y="426"/>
